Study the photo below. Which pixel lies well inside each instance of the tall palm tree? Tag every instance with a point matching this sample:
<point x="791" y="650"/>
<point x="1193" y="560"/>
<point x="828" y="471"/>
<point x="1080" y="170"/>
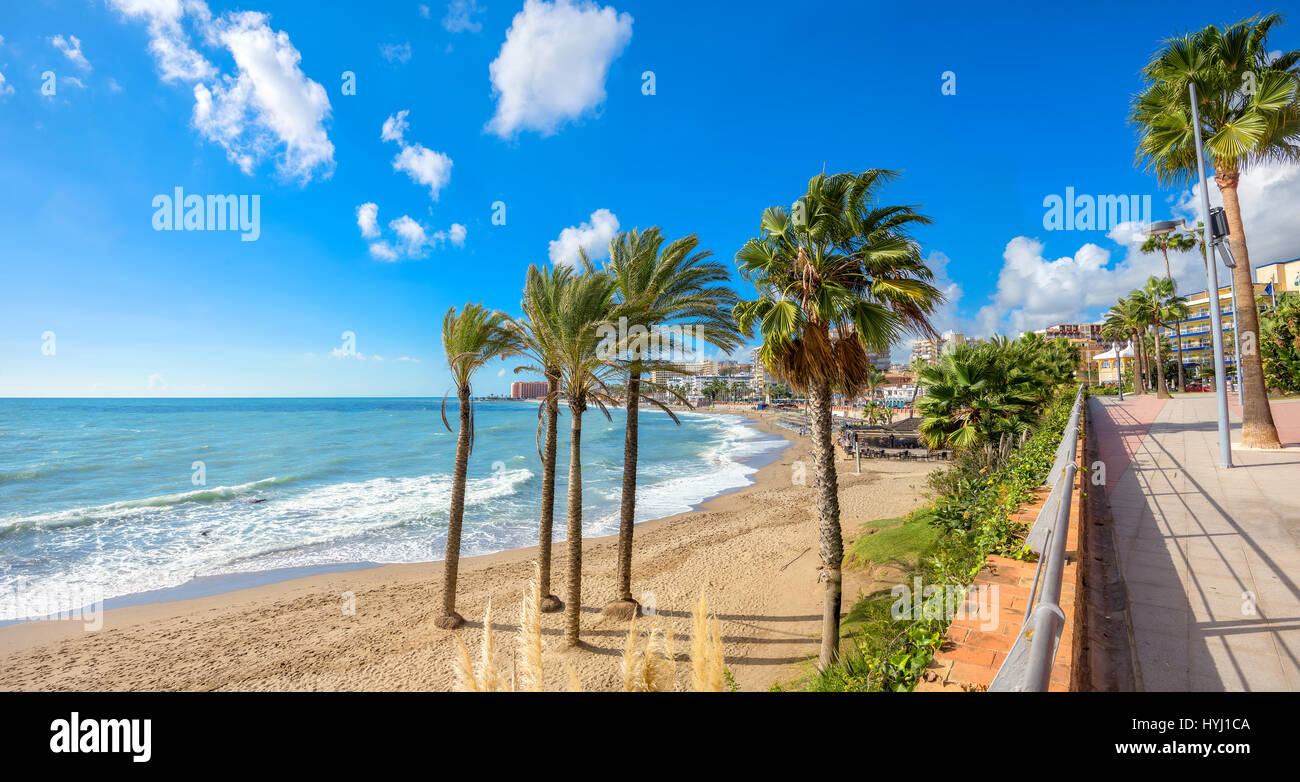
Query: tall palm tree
<point x="1249" y="110"/>
<point x="584" y="310"/>
<point x="1163" y="243"/>
<point x="1152" y="303"/>
<point x="471" y="339"/>
<point x="1115" y="331"/>
<point x="659" y="285"/>
<point x="541" y="308"/>
<point x="836" y="276"/>
<point x="1123" y="318"/>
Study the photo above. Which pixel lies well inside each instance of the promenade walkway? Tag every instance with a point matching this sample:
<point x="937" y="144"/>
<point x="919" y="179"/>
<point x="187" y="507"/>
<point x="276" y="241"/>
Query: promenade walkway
<point x="1210" y="557"/>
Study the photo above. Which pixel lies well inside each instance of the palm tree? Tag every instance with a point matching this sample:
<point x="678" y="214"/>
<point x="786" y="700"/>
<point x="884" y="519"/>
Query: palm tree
<point x="974" y="395"/>
<point x="1151" y="303"/>
<point x="839" y="275"/>
<point x="1249" y="115"/>
<point x="1123" y="318"/>
<point x="875" y="379"/>
<point x="1163" y="243"/>
<point x="1156" y="303"/>
<point x="585" y="305"/>
<point x="471" y="339"/>
<point x="659" y="285"/>
<point x="540" y="305"/>
<point x="1115" y="331"/>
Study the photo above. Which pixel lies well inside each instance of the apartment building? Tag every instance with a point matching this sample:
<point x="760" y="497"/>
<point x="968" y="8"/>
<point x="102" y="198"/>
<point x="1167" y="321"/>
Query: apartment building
<point x="1197" y="348"/>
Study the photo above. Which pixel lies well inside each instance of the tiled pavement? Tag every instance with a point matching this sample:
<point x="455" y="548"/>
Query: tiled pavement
<point x="1210" y="557"/>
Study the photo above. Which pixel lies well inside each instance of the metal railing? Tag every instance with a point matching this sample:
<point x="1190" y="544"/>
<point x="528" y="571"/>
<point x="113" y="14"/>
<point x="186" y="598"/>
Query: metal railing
<point x="1028" y="667"/>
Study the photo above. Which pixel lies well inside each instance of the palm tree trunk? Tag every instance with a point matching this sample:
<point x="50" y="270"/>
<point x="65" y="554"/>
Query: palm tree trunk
<point x="1178" y="330"/>
<point x="1139" y="377"/>
<point x="573" y="608"/>
<point x="624" y="607"/>
<point x="1162" y="386"/>
<point x="830" y="539"/>
<point x="1257" y="427"/>
<point x="450" y="620"/>
<point x="545" y="528"/>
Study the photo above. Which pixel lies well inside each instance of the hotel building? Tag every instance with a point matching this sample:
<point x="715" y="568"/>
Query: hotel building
<point x="1197" y="349"/>
<point x="528" y="389"/>
<point x="1284" y="276"/>
<point x="929" y="350"/>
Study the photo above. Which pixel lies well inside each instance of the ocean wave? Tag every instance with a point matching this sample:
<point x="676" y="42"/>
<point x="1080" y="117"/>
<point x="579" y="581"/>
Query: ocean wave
<point x="117" y="510"/>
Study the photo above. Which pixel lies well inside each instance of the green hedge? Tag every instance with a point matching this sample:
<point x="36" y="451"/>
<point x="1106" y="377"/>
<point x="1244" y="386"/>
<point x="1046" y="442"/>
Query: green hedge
<point x="972" y="513"/>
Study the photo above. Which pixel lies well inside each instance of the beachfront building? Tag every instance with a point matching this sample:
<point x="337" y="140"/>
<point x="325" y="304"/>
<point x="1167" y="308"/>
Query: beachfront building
<point x="929" y="350"/>
<point x="1197" y="348"/>
<point x="528" y="389"/>
<point x="899" y="395"/>
<point x="1083" y="332"/>
<point x="1111" y="366"/>
<point x="692" y="386"/>
<point x="1085" y="336"/>
<point x="757" y="371"/>
<point x="1284" y="276"/>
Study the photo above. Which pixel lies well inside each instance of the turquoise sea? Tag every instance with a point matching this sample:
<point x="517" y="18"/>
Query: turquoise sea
<point x="115" y="497"/>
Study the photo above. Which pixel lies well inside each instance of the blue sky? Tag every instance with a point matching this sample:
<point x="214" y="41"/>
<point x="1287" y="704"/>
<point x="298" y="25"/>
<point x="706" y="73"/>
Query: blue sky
<point x="249" y="100"/>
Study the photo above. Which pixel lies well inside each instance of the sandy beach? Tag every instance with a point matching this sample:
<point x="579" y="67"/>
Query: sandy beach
<point x="752" y="551"/>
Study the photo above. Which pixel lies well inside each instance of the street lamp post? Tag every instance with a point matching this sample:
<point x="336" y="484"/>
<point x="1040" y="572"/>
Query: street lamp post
<point x="1212" y="274"/>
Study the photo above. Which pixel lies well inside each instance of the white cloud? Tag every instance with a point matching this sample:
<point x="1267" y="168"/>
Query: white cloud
<point x="396" y="52"/>
<point x="383" y="251"/>
<point x="367" y="220"/>
<point x="71" y="48"/>
<point x="345" y="353"/>
<point x="72" y="81"/>
<point x="413" y="236"/>
<point x="457" y="234"/>
<point x="552" y="67"/>
<point x="156" y="382"/>
<point x="408" y="359"/>
<point x="460" y="16"/>
<point x="1270" y="210"/>
<point x="268" y="108"/>
<point x="5" y="87"/>
<point x="591" y="236"/>
<point x="412" y="239"/>
<point x="395" y="126"/>
<point x="502" y="373"/>
<point x="1034" y="292"/>
<point x="177" y="60"/>
<point x="425" y="167"/>
<point x="113" y="86"/>
<point x="268" y="104"/>
<point x="424" y="11"/>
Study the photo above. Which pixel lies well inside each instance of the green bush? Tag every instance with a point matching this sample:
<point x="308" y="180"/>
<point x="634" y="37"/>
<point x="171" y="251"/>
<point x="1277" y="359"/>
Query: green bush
<point x="972" y="516"/>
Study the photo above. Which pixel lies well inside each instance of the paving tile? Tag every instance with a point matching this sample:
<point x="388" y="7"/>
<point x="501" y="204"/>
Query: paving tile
<point x="1193" y="538"/>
